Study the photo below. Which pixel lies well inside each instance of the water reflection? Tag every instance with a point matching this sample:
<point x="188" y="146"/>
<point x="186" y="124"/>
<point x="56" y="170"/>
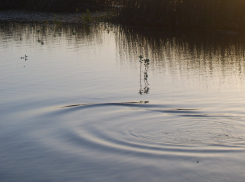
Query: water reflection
<point x="196" y="56"/>
<point x="205" y="58"/>
<point x="28" y="33"/>
<point x="144" y="76"/>
<point x="120" y="135"/>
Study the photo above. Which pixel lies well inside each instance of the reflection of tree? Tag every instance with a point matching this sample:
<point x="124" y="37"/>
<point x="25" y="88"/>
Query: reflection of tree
<point x="146" y="63"/>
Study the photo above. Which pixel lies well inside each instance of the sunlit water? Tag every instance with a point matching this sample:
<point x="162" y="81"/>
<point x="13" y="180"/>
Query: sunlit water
<point x="71" y="110"/>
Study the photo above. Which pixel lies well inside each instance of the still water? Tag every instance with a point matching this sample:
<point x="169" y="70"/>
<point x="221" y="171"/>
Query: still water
<point x="77" y="105"/>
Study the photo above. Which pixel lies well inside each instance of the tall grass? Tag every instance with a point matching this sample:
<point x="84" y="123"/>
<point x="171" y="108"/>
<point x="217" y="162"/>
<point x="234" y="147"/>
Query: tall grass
<point x="224" y="14"/>
<point x="55" y="5"/>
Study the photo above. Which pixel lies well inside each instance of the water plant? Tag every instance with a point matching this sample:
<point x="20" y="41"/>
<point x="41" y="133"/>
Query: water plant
<point x="87" y="18"/>
<point x="146" y="63"/>
<point x="57" y="21"/>
<point x="208" y="14"/>
<point x="55" y="5"/>
<point x="216" y="14"/>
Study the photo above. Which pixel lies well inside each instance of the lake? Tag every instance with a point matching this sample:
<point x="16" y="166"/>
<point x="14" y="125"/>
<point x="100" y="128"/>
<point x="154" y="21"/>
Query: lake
<point x="78" y="104"/>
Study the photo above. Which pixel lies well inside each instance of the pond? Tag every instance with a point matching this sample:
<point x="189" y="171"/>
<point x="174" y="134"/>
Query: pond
<point x="78" y="105"/>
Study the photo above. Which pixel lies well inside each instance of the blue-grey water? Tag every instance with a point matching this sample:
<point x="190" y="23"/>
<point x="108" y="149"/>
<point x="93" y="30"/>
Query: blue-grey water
<point x="77" y="105"/>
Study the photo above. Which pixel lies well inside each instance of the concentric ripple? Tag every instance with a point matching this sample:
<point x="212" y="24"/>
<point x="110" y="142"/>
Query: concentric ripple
<point x="152" y="129"/>
<point x="118" y="142"/>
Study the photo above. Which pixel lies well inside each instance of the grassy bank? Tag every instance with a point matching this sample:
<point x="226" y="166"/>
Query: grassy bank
<point x="215" y="14"/>
<point x="54" y="5"/>
<point x="208" y="14"/>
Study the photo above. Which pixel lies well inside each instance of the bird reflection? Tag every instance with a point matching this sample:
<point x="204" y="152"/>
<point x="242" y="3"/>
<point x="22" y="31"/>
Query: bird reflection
<point x="144" y="63"/>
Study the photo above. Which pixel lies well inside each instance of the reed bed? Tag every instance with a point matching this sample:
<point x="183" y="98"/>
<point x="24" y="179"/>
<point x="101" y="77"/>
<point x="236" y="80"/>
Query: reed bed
<point x="54" y="5"/>
<point x="217" y="14"/>
<point x="208" y="14"/>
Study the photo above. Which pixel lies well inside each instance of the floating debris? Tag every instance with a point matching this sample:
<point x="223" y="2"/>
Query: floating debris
<point x="25" y="58"/>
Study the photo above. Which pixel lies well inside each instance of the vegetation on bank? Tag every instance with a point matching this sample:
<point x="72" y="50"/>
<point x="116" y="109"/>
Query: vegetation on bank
<point x="54" y="5"/>
<point x="208" y="14"/>
<point x="214" y="14"/>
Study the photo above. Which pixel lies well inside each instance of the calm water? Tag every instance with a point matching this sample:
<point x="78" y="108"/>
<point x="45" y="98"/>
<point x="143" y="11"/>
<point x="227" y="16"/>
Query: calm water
<point x="72" y="110"/>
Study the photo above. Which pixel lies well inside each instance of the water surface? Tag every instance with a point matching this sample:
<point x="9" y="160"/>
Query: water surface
<point x="76" y="108"/>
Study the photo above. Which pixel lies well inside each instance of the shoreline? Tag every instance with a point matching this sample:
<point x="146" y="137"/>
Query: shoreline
<point x="24" y="16"/>
<point x="48" y="17"/>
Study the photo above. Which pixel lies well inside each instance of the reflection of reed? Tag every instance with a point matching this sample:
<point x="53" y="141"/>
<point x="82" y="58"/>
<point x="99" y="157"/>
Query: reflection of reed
<point x="50" y="34"/>
<point x="193" y="54"/>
